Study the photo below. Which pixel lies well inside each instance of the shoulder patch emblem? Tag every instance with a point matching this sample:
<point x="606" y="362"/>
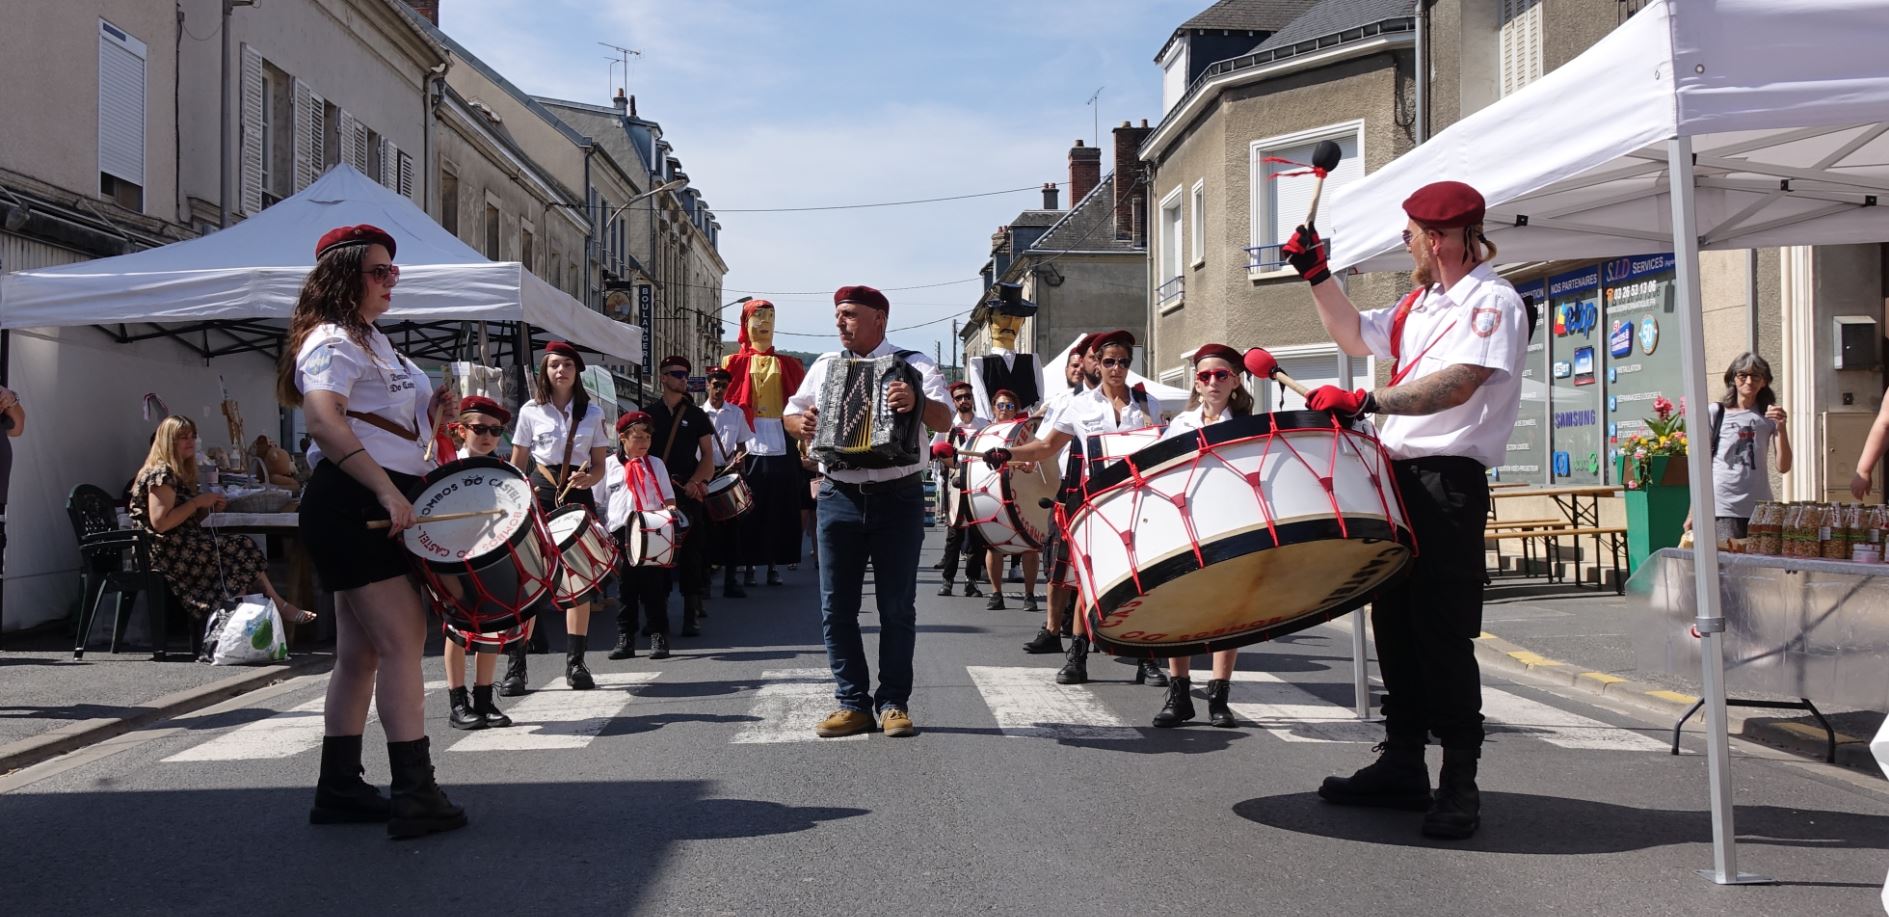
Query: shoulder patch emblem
<point x="1485" y="321"/>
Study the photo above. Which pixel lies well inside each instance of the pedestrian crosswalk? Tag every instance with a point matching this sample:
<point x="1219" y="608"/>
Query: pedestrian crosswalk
<point x="1024" y="702"/>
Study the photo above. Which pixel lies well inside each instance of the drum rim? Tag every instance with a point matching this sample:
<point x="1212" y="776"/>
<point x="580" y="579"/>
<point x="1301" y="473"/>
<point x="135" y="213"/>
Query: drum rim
<point x="1228" y="547"/>
<point x="577" y="534"/>
<point x="1150" y="457"/>
<point x="471" y="461"/>
<point x="1018" y="527"/>
<point x="732" y="477"/>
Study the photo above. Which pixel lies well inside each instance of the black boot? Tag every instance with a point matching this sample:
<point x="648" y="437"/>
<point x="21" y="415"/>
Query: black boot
<point x="996" y="602"/>
<point x="463" y="716"/>
<point x="691" y="613"/>
<point x="626" y="646"/>
<point x="341" y="796"/>
<point x="659" y="646"/>
<point x="1218" y="713"/>
<point x="747" y="577"/>
<point x="1045" y="642"/>
<point x="482" y="705"/>
<point x="576" y="673"/>
<point x="1179" y="707"/>
<point x="970" y="589"/>
<point x="419" y="806"/>
<point x="731" y="589"/>
<point x="1148" y="672"/>
<point x="1456" y="812"/>
<point x="945" y="589"/>
<point x="1398" y="779"/>
<point x="1076" y="670"/>
<point x="516" y="682"/>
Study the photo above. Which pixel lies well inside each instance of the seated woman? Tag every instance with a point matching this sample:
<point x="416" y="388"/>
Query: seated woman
<point x="203" y="570"/>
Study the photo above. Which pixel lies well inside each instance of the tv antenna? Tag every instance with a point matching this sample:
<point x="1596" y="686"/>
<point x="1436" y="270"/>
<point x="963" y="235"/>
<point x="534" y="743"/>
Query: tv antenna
<point x="623" y="57"/>
<point x="1095" y="114"/>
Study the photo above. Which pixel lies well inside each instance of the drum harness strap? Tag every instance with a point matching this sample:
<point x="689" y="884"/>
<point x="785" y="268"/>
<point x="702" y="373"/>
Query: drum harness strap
<point x="570" y="441"/>
<point x="1398" y="370"/>
<point x="675" y="423"/>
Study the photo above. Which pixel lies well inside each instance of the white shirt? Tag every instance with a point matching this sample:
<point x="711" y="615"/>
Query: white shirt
<point x="1091" y="412"/>
<point x="808" y="397"/>
<point x="375" y="381"/>
<point x="731" y="430"/>
<point x="1190" y="420"/>
<point x="964" y="428"/>
<point x="1054" y="404"/>
<point x="1480" y="322"/>
<point x="540" y="428"/>
<point x="655" y="493"/>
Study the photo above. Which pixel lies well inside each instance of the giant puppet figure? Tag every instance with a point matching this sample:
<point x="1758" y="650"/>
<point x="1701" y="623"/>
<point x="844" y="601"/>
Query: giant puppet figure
<point x="1005" y="368"/>
<point x="760" y="382"/>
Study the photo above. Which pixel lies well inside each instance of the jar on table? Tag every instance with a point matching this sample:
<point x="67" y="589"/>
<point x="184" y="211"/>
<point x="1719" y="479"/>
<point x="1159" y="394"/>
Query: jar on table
<point x="1833" y="536"/>
<point x="1763" y="530"/>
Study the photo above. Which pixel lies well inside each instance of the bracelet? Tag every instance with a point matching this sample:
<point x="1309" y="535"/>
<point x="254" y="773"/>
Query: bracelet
<point x="350" y="455"/>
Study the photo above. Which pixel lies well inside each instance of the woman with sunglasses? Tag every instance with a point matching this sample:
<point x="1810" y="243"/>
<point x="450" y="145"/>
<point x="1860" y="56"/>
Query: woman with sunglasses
<point x="1008" y="407"/>
<point x="562" y="433"/>
<point x="369" y="411"/>
<point x="1217" y="396"/>
<point x="1111" y="407"/>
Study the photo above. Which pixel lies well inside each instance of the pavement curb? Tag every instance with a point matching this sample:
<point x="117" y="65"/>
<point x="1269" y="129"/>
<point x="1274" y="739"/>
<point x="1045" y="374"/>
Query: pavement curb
<point x="73" y="736"/>
<point x="1797" y="738"/>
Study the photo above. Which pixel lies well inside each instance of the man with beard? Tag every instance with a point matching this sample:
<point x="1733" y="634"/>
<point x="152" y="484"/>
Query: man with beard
<point x="1456" y="346"/>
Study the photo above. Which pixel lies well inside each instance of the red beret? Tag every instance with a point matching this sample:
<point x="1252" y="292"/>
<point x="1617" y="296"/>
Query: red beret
<point x="1121" y="337"/>
<point x="1005" y="393"/>
<point x="720" y="374"/>
<point x="632" y="417"/>
<point x="1445" y="205"/>
<point x="479" y="404"/>
<point x="863" y="295"/>
<point x="1088" y="342"/>
<point x="674" y="360"/>
<point x="1219" y="352"/>
<point x="960" y="384"/>
<point x="354" y="235"/>
<point x="562" y="349"/>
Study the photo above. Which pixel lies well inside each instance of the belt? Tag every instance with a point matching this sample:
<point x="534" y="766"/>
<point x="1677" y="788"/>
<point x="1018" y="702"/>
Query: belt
<point x="869" y="488"/>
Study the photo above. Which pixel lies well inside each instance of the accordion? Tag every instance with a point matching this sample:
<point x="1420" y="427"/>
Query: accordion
<point x="857" y="428"/>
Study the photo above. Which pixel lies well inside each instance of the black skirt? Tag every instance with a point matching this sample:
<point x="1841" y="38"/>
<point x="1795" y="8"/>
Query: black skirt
<point x="333" y="524"/>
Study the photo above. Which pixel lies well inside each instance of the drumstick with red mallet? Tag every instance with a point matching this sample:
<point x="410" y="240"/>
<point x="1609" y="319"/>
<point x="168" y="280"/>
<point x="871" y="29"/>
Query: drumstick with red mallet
<point x="1264" y="365"/>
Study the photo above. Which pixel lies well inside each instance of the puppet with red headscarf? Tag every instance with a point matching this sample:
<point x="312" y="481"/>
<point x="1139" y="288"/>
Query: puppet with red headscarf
<point x="760" y="382"/>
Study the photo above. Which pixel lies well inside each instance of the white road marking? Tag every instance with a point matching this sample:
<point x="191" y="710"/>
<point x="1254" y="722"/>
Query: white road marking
<point x="283" y="735"/>
<point x="1512" y="714"/>
<point x="788" y="706"/>
<point x="1293" y="714"/>
<point x="1027" y="702"/>
<point x="556" y="717"/>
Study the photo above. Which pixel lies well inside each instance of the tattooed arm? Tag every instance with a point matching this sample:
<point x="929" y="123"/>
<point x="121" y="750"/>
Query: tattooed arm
<point x="1434" y="393"/>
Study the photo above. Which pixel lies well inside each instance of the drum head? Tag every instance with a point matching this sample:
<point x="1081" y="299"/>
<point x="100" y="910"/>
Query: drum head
<point x="479" y="484"/>
<point x="1023" y="523"/>
<point x="566" y="525"/>
<point x="724" y="482"/>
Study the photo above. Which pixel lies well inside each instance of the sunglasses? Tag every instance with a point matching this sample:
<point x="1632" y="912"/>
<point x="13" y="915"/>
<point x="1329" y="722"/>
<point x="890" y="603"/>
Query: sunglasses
<point x="384" y="273"/>
<point x="482" y="429"/>
<point x="676" y="373"/>
<point x="1112" y="363"/>
<point x="1213" y="375"/>
<point x="1005" y="406"/>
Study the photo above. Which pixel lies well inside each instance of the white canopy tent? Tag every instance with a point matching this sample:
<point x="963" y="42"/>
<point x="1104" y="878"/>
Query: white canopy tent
<point x="1697" y="124"/>
<point x="254" y="270"/>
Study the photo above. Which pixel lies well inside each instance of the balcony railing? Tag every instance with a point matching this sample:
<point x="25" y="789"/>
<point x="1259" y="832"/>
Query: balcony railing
<point x="1268" y="258"/>
<point x="1168" y="292"/>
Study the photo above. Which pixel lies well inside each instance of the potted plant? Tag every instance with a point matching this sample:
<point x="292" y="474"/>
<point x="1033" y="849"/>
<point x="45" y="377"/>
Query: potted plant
<point x="1652" y="465"/>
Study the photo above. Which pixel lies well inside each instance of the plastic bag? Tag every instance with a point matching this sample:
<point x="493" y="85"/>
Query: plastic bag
<point x="251" y="634"/>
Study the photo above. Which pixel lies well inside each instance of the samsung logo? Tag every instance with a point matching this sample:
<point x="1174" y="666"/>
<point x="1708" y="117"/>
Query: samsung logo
<point x="1573" y="419"/>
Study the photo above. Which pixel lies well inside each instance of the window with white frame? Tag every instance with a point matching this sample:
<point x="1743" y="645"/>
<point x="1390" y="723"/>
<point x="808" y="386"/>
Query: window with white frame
<point x="1280" y="203"/>
<point x="1311" y="365"/>
<point x="1173" y="75"/>
<point x="121" y="114"/>
<point x="1198" y="236"/>
<point x="1170" y="276"/>
<point x="1520" y="43"/>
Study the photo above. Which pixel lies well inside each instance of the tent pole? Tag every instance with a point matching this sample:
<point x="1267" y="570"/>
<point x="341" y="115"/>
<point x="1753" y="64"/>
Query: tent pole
<point x="1711" y="622"/>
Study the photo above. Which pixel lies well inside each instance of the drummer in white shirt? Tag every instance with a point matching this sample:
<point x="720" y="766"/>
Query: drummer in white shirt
<point x="1217" y="396"/>
<point x="733" y="434"/>
<point x="638" y="482"/>
<point x="1110" y="408"/>
<point x="562" y="433"/>
<point x="1081" y="374"/>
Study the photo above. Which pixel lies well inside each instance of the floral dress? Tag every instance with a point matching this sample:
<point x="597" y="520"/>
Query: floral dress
<point x="203" y="570"/>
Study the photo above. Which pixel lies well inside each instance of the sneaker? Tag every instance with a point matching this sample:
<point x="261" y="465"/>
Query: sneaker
<point x="1029" y="604"/>
<point x="845" y="722"/>
<point x="971" y="591"/>
<point x="895" y="722"/>
<point x="945" y="589"/>
<point x="996" y="602"/>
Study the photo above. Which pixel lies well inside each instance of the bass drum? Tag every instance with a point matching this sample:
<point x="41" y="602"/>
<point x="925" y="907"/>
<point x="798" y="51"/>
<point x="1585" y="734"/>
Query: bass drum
<point x="1007" y="505"/>
<point x="1209" y="542"/>
<point x="486" y="572"/>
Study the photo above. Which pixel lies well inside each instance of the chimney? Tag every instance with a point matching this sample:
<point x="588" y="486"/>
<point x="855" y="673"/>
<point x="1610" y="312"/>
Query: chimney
<point x="1049" y="195"/>
<point x="622" y="103"/>
<point x="1085" y="171"/>
<point x="1130" y="184"/>
<point x="427" y="8"/>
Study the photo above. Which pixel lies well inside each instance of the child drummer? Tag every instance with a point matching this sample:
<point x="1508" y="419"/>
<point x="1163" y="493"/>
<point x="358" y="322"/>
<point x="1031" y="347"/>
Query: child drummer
<point x="638" y="482"/>
<point x="480" y="423"/>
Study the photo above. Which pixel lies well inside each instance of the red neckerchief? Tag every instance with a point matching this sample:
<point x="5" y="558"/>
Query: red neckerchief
<point x="1399" y="371"/>
<point x="635" y="472"/>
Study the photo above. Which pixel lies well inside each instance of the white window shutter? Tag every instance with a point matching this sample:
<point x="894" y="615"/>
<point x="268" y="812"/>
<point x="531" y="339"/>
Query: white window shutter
<point x="389" y="164"/>
<point x="310" y="126"/>
<point x="406" y="175"/>
<point x="1287" y="198"/>
<point x="345" y="136"/>
<point x="121" y="108"/>
<point x="252" y="131"/>
<point x="360" y="147"/>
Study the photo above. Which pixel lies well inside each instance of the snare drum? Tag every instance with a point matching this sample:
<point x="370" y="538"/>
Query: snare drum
<point x="1210" y="542"/>
<point x="486" y="573"/>
<point x="728" y="496"/>
<point x="488" y="643"/>
<point x="1006" y="504"/>
<point x="651" y="537"/>
<point x="586" y="553"/>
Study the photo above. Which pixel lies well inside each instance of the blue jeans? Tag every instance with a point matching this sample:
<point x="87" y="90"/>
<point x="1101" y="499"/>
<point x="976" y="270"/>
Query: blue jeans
<point x="888" y="529"/>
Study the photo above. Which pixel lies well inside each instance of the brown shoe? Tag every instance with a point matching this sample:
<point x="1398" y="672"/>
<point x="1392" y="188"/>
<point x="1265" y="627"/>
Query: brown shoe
<point x="845" y="722"/>
<point x="895" y="722"/>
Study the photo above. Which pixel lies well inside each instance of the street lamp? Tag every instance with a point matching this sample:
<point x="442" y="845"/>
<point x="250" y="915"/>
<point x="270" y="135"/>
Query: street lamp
<point x="671" y="185"/>
<point x="726" y="306"/>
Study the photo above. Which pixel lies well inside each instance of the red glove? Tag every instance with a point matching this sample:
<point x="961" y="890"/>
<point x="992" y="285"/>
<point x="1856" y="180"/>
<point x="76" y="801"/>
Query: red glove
<point x="1338" y="401"/>
<point x="997" y="457"/>
<point x="1305" y="251"/>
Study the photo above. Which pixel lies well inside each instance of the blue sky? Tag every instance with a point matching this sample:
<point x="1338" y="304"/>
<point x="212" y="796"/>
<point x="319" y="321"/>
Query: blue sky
<point x="794" y="104"/>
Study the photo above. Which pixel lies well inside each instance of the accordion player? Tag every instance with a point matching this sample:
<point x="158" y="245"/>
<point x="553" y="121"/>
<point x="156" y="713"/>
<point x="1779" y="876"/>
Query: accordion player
<point x="858" y="428"/>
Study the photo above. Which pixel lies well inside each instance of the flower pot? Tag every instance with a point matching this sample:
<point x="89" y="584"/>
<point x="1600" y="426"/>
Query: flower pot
<point x="1656" y="506"/>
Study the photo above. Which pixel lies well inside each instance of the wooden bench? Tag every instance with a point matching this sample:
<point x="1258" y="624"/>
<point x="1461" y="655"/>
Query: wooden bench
<point x="1550" y="535"/>
<point x="1503" y="525"/>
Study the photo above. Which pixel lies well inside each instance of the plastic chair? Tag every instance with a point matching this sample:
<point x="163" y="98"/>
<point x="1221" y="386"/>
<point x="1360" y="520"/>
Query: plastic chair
<point x="114" y="561"/>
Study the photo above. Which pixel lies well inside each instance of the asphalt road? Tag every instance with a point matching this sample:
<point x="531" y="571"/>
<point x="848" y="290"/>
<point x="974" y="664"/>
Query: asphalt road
<point x="694" y="785"/>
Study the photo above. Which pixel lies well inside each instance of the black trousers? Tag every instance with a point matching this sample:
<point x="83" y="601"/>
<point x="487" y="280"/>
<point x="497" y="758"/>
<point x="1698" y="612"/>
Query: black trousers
<point x="1426" y="625"/>
<point x="644" y="590"/>
<point x="970" y="543"/>
<point x="691" y="572"/>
